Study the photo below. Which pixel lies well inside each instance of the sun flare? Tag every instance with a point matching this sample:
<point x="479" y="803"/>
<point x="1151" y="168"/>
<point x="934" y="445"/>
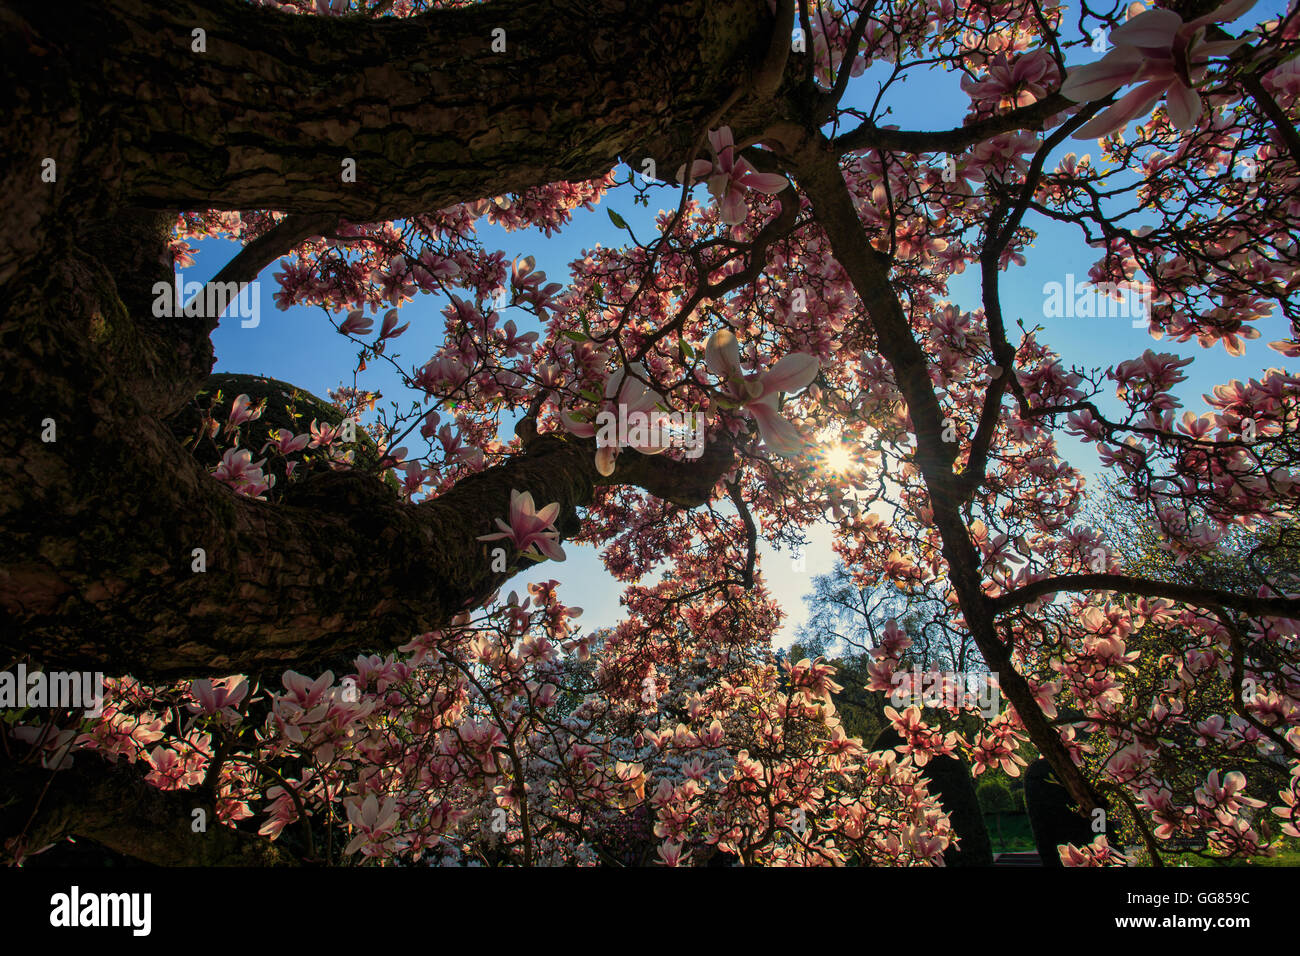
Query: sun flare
<point x="839" y="459"/>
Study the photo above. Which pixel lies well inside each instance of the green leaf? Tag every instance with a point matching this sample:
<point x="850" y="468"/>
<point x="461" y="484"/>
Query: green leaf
<point x="686" y="349"/>
<point x="574" y="336"/>
<point x="616" y="219"/>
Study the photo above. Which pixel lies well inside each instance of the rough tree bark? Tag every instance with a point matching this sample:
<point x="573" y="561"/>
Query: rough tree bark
<point x="115" y="93"/>
<point x="101" y="523"/>
<point x="117" y="808"/>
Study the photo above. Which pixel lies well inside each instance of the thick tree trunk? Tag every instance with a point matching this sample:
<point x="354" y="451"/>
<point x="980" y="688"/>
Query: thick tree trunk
<point x="823" y="181"/>
<point x="116" y="807"/>
<point x="98" y="566"/>
<point x="101" y="522"/>
<point x="265" y="116"/>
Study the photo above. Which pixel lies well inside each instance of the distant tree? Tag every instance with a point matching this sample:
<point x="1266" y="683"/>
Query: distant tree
<point x="860" y="620"/>
<point x="848" y="610"/>
<point x="994" y="797"/>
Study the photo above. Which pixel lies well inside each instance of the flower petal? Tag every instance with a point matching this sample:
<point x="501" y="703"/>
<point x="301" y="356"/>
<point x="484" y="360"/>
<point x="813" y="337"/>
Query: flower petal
<point x="1154" y="28"/>
<point x="781" y="437"/>
<point x="1104" y="77"/>
<point x="1224" y="14"/>
<point x="732" y="210"/>
<point x="769" y="183"/>
<point x="720" y="139"/>
<point x="1184" y="106"/>
<point x="790" y="374"/>
<point x="722" y="355"/>
<point x="605" y="460"/>
<point x="699" y="169"/>
<point x="550" y="547"/>
<point x="521" y="506"/>
<point x="575" y="427"/>
<point x="1136" y="103"/>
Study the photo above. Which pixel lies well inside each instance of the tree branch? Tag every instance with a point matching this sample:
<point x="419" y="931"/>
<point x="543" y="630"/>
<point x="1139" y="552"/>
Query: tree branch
<point x="280" y="239"/>
<point x="339" y="566"/>
<point x="1031" y="117"/>
<point x="1144" y="587"/>
<point x="820" y="175"/>
<point x="270" y="113"/>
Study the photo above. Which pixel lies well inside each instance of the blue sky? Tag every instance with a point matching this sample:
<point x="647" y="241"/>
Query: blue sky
<point x="298" y="345"/>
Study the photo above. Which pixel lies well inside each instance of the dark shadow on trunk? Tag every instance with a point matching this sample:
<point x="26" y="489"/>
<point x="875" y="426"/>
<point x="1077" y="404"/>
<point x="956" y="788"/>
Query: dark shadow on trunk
<point x="950" y="781"/>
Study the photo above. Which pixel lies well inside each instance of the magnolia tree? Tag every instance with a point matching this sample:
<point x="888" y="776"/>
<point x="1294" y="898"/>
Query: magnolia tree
<point x="298" y="604"/>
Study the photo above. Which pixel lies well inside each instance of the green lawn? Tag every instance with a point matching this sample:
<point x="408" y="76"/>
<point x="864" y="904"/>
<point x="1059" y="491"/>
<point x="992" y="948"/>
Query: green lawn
<point x="1288" y="856"/>
<point x="1010" y="832"/>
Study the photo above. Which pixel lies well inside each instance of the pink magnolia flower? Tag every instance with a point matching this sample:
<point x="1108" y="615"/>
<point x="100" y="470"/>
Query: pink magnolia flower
<point x="117" y="734"/>
<point x="528" y="284"/>
<point x="1210" y="731"/>
<point x="757" y="393"/>
<point x="522" y="273"/>
<point x="729" y="176"/>
<point x="397" y="284"/>
<point x="515" y="343"/>
<point x="214" y="696"/>
<point x="482" y="739"/>
<point x="174" y="771"/>
<point x="815" y="677"/>
<point x="533" y="532"/>
<point x="1098" y="853"/>
<point x="455" y="448"/>
<point x="239" y="471"/>
<point x="283" y="810"/>
<point x="356" y="324"/>
<point x="303" y="690"/>
<point x="431" y="269"/>
<point x="286" y="442"/>
<point x="323" y="435"/>
<point x="374" y="825"/>
<point x="1225" y="799"/>
<point x="443" y="373"/>
<point x="389" y="329"/>
<point x="1290" y="811"/>
<point x="1165" y="55"/>
<point x="671" y="854"/>
<point x="394" y="457"/>
<point x="55" y="746"/>
<point x="632" y="776"/>
<point x="182" y="253"/>
<point x="1012" y="82"/>
<point x="240" y="412"/>
<point x="637" y="400"/>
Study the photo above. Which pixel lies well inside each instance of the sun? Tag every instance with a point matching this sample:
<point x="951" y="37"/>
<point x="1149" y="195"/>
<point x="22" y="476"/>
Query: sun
<point x="838" y="458"/>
